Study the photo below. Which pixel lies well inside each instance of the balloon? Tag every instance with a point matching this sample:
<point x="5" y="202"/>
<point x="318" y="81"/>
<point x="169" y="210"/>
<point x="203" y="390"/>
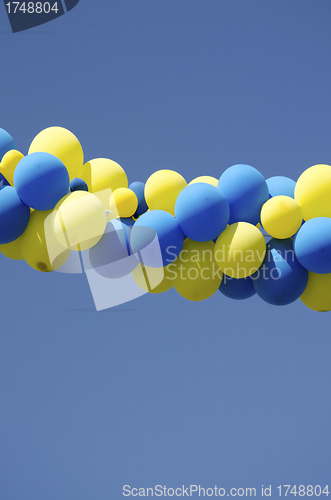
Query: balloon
<point x="237" y="289"/>
<point x="197" y="276"/>
<point x="202" y="212"/>
<point x="79" y="220"/>
<point x="14" y="215"/>
<point x="280" y="186"/>
<point x="153" y="279"/>
<point x="103" y="174"/>
<point x="158" y="238"/>
<point x="41" y="180"/>
<point x="124" y="202"/>
<point x="281" y="217"/>
<point x="9" y="163"/>
<point x="12" y="250"/>
<point x="38" y="245"/>
<point x="312" y="192"/>
<point x="246" y="191"/>
<point x="281" y="279"/>
<point x="205" y="178"/>
<point x="317" y="294"/>
<point x="240" y="250"/>
<point x="139" y="189"/>
<point x="6" y="143"/>
<point x="312" y="245"/>
<point x="3" y="181"/>
<point x="111" y="256"/>
<point x="78" y="184"/>
<point x="63" y="144"/>
<point x="162" y="189"/>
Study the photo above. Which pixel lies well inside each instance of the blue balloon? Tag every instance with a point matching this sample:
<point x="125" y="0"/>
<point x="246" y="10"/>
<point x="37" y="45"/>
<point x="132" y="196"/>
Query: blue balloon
<point x="281" y="279"/>
<point x="14" y="215"/>
<point x="246" y="191"/>
<point x="139" y="189"/>
<point x="281" y="186"/>
<point x="41" y="180"/>
<point x="238" y="289"/>
<point x="78" y="184"/>
<point x="7" y="143"/>
<point x="202" y="211"/>
<point x="312" y="245"/>
<point x="157" y="238"/>
<point x="3" y="181"/>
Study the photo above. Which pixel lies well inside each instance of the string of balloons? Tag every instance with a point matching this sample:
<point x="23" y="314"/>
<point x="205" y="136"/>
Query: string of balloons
<point x="240" y="234"/>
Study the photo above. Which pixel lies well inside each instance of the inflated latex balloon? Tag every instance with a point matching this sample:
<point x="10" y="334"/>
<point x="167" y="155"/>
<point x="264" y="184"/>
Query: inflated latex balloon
<point x="312" y="245"/>
<point x="124" y="202"/>
<point x="78" y="184"/>
<point x="3" y="181"/>
<point x="157" y="237"/>
<point x="102" y="174"/>
<point x="41" y="180"/>
<point x="154" y="279"/>
<point x="317" y="294"/>
<point x="312" y="192"/>
<point x="6" y="143"/>
<point x="63" y="144"/>
<point x="246" y="190"/>
<point x="240" y="250"/>
<point x="206" y="179"/>
<point x="281" y="217"/>
<point x="79" y="220"/>
<point x="139" y="189"/>
<point x="14" y="215"/>
<point x="202" y="211"/>
<point x="9" y="163"/>
<point x="281" y="279"/>
<point x="12" y="250"/>
<point x="39" y="247"/>
<point x="237" y="289"/>
<point x="162" y="189"/>
<point x="281" y="186"/>
<point x="111" y="257"/>
<point x="197" y="275"/>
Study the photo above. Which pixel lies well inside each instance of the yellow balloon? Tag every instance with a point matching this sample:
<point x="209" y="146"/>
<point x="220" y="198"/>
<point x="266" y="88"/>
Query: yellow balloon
<point x="9" y="163"/>
<point x="12" y="250"/>
<point x="153" y="279"/>
<point x="240" y="250"/>
<point x="38" y="244"/>
<point x="312" y="192"/>
<point x="317" y="295"/>
<point x="101" y="174"/>
<point x="79" y="220"/>
<point x="123" y="202"/>
<point x="162" y="189"/>
<point x="197" y="275"/>
<point x="207" y="179"/>
<point x="281" y="217"/>
<point x="63" y="144"/>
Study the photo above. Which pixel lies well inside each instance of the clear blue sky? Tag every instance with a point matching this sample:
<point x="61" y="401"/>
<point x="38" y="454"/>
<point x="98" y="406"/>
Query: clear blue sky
<point x="161" y="390"/>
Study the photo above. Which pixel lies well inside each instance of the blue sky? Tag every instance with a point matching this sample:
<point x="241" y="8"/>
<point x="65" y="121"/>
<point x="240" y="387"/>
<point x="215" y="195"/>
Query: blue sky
<point x="161" y="390"/>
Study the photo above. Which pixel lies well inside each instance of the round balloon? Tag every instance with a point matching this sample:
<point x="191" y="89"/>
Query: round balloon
<point x="237" y="289"/>
<point x="157" y="237"/>
<point x="6" y="143"/>
<point x="312" y="245"/>
<point x="139" y="189"/>
<point x="281" y="217"/>
<point x="123" y="202"/>
<point x="12" y="250"/>
<point x="317" y="294"/>
<point x="202" y="212"/>
<point x="39" y="247"/>
<point x="280" y="186"/>
<point x="63" y="144"/>
<point x="14" y="215"/>
<point x="162" y="189"/>
<point x="281" y="279"/>
<point x="206" y="179"/>
<point x="240" y="250"/>
<point x="79" y="220"/>
<point x="9" y="163"/>
<point x="41" y="180"/>
<point x="102" y="174"/>
<point x="78" y="184"/>
<point x="154" y="279"/>
<point x="197" y="275"/>
<point x="246" y="190"/>
<point x="312" y="192"/>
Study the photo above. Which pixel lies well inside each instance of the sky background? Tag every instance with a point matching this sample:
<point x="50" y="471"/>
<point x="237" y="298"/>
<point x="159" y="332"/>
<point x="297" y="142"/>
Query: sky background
<point x="161" y="390"/>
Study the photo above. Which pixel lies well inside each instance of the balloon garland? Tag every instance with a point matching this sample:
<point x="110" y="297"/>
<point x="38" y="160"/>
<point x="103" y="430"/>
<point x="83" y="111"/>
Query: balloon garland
<point x="207" y="235"/>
